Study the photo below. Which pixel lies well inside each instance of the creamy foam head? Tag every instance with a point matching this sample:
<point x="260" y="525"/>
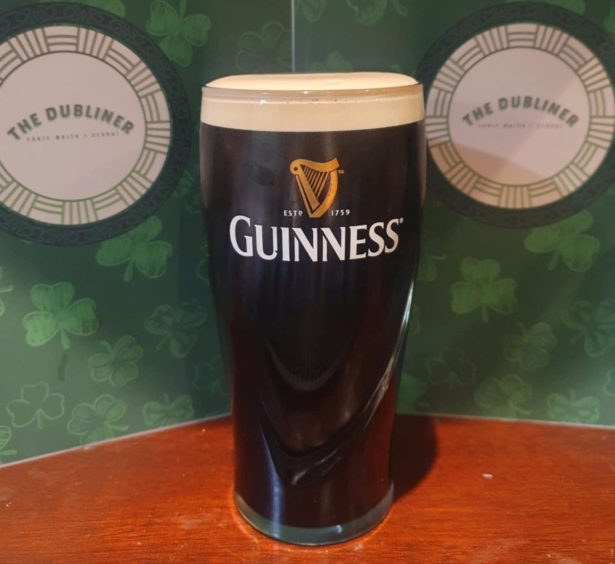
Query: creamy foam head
<point x="312" y="102"/>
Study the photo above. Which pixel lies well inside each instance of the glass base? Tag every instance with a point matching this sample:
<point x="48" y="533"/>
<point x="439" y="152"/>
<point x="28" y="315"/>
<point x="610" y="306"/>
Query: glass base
<point x="319" y="535"/>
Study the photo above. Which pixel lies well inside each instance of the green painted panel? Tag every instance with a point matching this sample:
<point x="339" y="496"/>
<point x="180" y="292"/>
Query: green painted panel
<point x="105" y="339"/>
<point x="506" y="322"/>
<point x="118" y="336"/>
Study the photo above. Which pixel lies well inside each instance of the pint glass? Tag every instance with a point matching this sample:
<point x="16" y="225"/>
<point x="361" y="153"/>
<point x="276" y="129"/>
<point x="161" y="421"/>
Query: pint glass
<point x="312" y="186"/>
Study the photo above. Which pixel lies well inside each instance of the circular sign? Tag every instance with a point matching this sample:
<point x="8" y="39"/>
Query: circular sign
<point x="92" y="144"/>
<point x="520" y="115"/>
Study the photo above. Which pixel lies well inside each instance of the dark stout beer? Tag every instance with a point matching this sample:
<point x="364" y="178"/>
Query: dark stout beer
<point x="312" y="188"/>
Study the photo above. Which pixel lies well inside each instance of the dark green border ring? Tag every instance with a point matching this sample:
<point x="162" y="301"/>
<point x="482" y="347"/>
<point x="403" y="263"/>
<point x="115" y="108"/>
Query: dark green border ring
<point x="596" y="39"/>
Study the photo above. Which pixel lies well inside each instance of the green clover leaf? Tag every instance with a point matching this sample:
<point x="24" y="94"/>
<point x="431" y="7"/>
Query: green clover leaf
<point x="116" y="7"/>
<point x="167" y="412"/>
<point x="451" y="368"/>
<point x="410" y="392"/>
<point x="529" y="349"/>
<point x="573" y="410"/>
<point x="99" y="420"/>
<point x="566" y="240"/>
<point x="482" y="289"/>
<point x="179" y="33"/>
<point x="202" y="267"/>
<point x="609" y="384"/>
<point x="5" y="438"/>
<point x="267" y="51"/>
<point x="35" y="404"/>
<point x="335" y="62"/>
<point x="164" y="19"/>
<point x="188" y="190"/>
<point x="431" y="252"/>
<point x="312" y="9"/>
<point x="178" y="327"/>
<point x="399" y="7"/>
<point x="503" y="397"/>
<point x="118" y="364"/>
<point x="211" y="387"/>
<point x="138" y="249"/>
<point x="57" y="313"/>
<point x="428" y="266"/>
<point x="368" y="12"/>
<point x="3" y="290"/>
<point x="210" y="379"/>
<point x="594" y="325"/>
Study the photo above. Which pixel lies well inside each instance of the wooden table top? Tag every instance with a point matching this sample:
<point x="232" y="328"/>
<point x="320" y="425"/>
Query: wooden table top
<point x="467" y="491"/>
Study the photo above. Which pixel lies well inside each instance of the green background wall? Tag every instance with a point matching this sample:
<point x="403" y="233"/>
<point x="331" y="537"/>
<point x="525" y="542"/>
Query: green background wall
<point x="154" y="359"/>
<point x="145" y="353"/>
<point x="544" y="346"/>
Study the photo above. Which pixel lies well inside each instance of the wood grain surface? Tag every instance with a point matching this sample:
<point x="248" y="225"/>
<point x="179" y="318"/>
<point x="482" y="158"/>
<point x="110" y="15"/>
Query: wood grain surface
<point x="467" y="491"/>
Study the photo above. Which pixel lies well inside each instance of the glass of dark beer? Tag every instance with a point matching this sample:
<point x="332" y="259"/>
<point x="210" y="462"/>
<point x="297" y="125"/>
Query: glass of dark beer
<point x="312" y="187"/>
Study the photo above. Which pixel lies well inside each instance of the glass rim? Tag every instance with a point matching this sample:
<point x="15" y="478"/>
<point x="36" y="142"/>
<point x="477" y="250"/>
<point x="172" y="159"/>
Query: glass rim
<point x="391" y="91"/>
<point x="211" y="90"/>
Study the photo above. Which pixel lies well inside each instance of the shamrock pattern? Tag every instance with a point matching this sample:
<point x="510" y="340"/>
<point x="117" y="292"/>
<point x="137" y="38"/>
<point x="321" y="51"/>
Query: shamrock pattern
<point x="573" y="410"/>
<point x="98" y="420"/>
<point x="210" y="379"/>
<point x="594" y="326"/>
<point x="428" y="264"/>
<point x="567" y="241"/>
<point x="167" y="412"/>
<point x="118" y="364"/>
<point x="504" y="397"/>
<point x="178" y="327"/>
<point x="365" y="12"/>
<point x="202" y="267"/>
<point x="116" y="7"/>
<point x="138" y="249"/>
<point x="82" y="347"/>
<point x="311" y="9"/>
<point x="369" y="12"/>
<point x="451" y="369"/>
<point x="431" y="244"/>
<point x="36" y="404"/>
<point x="57" y="313"/>
<point x="179" y="32"/>
<point x="188" y="190"/>
<point x="3" y="290"/>
<point x="5" y="439"/>
<point x="483" y="289"/>
<point x="335" y="62"/>
<point x="264" y="51"/>
<point x="529" y="349"/>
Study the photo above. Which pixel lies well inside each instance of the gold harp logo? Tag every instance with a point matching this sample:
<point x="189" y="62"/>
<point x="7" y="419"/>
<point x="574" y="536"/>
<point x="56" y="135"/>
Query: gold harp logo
<point x="317" y="184"/>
